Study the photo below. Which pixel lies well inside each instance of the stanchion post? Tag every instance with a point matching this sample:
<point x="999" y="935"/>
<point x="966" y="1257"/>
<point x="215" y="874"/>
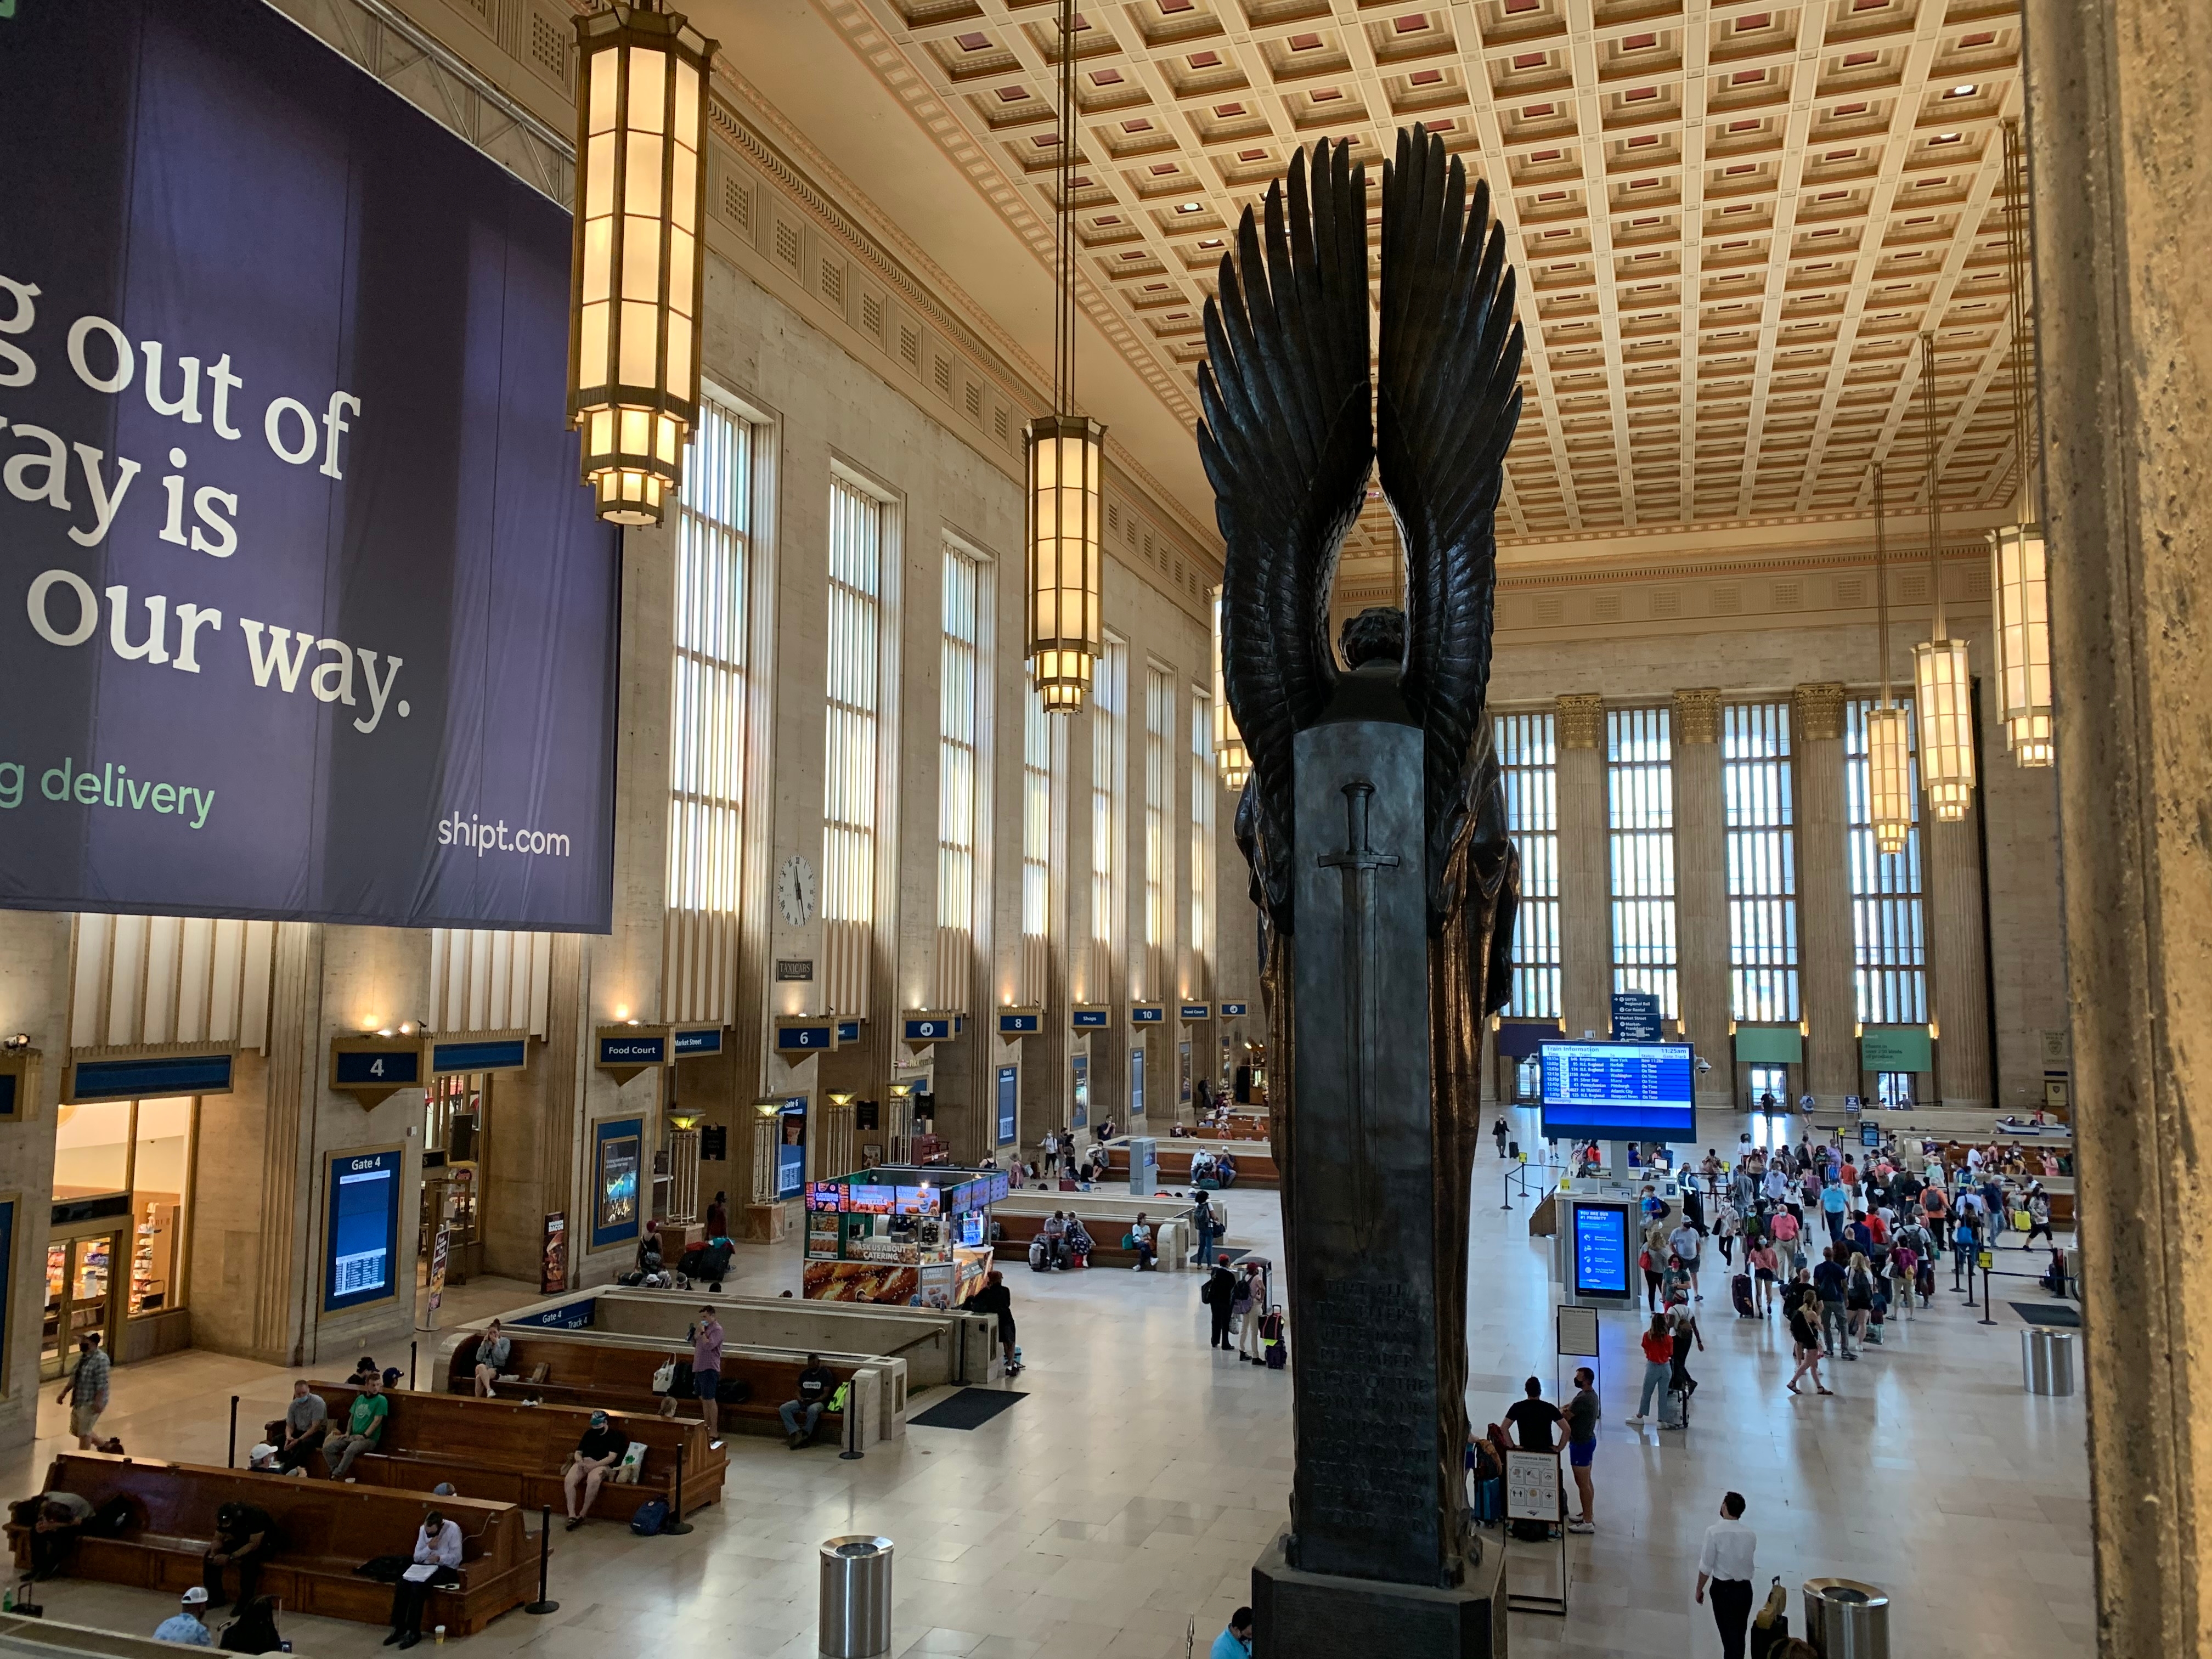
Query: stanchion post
<point x="852" y="1422"/>
<point x="1970" y="1286"/>
<point x="541" y="1605"/>
<point x="1987" y="1304"/>
<point x="410" y="1367"/>
<point x="676" y="1523"/>
<point x="230" y="1457"/>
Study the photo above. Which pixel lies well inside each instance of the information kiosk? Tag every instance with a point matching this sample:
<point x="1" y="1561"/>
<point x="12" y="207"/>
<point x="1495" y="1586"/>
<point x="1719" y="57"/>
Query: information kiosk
<point x="911" y="1235"/>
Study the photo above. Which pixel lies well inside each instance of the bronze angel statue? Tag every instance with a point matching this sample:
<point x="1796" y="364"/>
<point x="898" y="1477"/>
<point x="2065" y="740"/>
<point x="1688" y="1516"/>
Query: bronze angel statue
<point x="1293" y="427"/>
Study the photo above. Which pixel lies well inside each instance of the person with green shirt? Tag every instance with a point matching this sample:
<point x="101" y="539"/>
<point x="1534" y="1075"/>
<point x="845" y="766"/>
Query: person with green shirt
<point x="364" y="1428"/>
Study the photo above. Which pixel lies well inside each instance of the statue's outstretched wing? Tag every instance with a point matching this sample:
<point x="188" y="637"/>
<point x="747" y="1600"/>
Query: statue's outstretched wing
<point x="1287" y="441"/>
<point x="1447" y="403"/>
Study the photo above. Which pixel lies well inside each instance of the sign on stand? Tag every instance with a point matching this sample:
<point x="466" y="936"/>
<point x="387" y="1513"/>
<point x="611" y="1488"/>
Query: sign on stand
<point x="438" y="1249"/>
<point x="1532" y="1494"/>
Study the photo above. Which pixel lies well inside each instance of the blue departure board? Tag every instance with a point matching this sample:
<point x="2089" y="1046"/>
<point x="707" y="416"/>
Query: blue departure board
<point x="1619" y="1091"/>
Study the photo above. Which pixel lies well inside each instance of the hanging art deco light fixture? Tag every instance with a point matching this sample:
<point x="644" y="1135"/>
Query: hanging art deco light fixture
<point x="637" y="276"/>
<point x="1067" y="462"/>
<point x="1942" y="684"/>
<point x="1231" y="758"/>
<point x="2017" y="572"/>
<point x="1889" y="743"/>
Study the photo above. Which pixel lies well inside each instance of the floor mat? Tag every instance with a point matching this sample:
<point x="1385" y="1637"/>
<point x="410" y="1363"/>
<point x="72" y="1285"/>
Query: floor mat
<point x="970" y="1408"/>
<point x="2049" y="1313"/>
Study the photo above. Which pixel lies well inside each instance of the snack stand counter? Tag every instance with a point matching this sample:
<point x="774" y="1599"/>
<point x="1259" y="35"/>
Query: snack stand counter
<point x="901" y="1234"/>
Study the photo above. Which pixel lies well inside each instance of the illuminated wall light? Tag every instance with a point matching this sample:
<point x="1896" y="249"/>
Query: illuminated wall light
<point x="1232" y="759"/>
<point x="637" y="277"/>
<point x="1943" y="686"/>
<point x="2018" y="554"/>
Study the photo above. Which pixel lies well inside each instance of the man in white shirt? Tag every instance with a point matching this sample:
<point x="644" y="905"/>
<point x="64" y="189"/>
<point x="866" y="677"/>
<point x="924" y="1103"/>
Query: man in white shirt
<point x="437" y="1548"/>
<point x="1724" y="1566"/>
<point x="1684" y="1242"/>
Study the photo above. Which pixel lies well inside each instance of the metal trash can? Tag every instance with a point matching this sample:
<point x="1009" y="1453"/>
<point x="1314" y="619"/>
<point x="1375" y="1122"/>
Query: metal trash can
<point x="1846" y="1620"/>
<point x="856" y="1597"/>
<point x="2035" y="1359"/>
<point x="2062" y="1362"/>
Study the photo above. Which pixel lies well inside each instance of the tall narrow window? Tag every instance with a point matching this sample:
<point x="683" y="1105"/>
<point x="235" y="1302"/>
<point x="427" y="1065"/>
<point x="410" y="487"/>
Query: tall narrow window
<point x="1527" y="752"/>
<point x="1041" y="737"/>
<point x="956" y="777"/>
<point x="708" y="727"/>
<point x="849" y="756"/>
<point x="1109" y="706"/>
<point x="1762" y="861"/>
<point x="1159" y="853"/>
<point x="1202" y="786"/>
<point x="1889" y="931"/>
<point x="1640" y="807"/>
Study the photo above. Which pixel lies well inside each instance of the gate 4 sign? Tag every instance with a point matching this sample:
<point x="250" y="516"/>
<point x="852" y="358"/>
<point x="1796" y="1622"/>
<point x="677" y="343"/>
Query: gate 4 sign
<point x="1532" y="1486"/>
<point x="373" y="1068"/>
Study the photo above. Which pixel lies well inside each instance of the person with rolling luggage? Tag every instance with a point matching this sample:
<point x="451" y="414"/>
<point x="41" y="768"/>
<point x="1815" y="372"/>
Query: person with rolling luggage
<point x="1739" y="1294"/>
<point x="1658" y="1366"/>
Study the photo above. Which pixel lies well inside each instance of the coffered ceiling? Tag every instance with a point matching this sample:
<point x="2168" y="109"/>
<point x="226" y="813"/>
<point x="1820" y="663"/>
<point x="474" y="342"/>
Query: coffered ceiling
<point x="1733" y="220"/>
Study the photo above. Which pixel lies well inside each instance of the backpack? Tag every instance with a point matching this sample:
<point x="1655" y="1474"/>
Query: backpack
<point x="254" y="1630"/>
<point x="652" y="1515"/>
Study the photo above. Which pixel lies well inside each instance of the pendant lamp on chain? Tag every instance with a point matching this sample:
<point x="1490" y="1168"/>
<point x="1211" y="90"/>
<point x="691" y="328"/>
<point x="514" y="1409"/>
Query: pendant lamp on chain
<point x="2017" y="572"/>
<point x="637" y="277"/>
<point x="1231" y="758"/>
<point x="1066" y="462"/>
<point x="1943" y="684"/>
<point x="1888" y="734"/>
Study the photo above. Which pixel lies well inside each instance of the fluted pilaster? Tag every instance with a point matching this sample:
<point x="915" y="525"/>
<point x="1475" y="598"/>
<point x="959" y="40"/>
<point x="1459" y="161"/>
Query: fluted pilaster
<point x="1824" y="895"/>
<point x="1701" y="918"/>
<point x="1585" y="883"/>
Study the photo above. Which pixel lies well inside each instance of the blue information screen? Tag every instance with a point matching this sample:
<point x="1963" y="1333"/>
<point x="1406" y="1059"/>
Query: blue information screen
<point x="1010" y="1084"/>
<point x="1618" y="1091"/>
<point x="1600" y="1249"/>
<point x="364" y="1228"/>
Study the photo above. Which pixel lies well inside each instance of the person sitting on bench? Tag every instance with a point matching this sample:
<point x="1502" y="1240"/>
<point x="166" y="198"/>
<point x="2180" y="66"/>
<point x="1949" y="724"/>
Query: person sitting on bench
<point x="62" y="1515"/>
<point x="244" y="1537"/>
<point x="598" y="1456"/>
<point x="1080" y="1244"/>
<point x="1140" y="1241"/>
<point x="364" y="1428"/>
<point x="437" y="1546"/>
<point x="493" y="1348"/>
<point x="307" y="1425"/>
<point x="815" y="1384"/>
<point x="364" y="1372"/>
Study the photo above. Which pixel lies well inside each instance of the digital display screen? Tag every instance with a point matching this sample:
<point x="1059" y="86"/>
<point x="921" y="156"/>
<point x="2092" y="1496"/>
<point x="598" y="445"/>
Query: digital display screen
<point x="1010" y="1081"/>
<point x="870" y="1201"/>
<point x="824" y="1196"/>
<point x="1601" y="1234"/>
<point x="364" y="1228"/>
<point x="916" y="1200"/>
<point x="1618" y="1091"/>
<point x="971" y="1228"/>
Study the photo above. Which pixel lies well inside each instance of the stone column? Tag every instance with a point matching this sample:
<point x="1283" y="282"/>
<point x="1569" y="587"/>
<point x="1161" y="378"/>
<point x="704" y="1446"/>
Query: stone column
<point x="2120" y="127"/>
<point x="1825" y="949"/>
<point x="1585" y="872"/>
<point x="1701" y="914"/>
<point x="1958" y="978"/>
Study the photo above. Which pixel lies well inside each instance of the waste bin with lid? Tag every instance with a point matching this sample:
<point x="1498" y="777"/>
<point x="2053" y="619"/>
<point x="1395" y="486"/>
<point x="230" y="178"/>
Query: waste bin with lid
<point x="1846" y="1620"/>
<point x="856" y="1597"/>
<point x="2035" y="1359"/>
<point x="2062" y="1362"/>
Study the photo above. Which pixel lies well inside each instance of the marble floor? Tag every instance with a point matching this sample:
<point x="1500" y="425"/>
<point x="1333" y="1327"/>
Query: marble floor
<point x="1117" y="1508"/>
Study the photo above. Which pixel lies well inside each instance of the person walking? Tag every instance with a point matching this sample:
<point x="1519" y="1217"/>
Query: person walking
<point x="1763" y="1261"/>
<point x="1725" y="1568"/>
<point x="1684" y="1331"/>
<point x="1834" y="1202"/>
<point x="1858" y="1296"/>
<point x="1830" y="1281"/>
<point x="1787" y="1233"/>
<point x="364" y="1428"/>
<point x="86" y="1392"/>
<point x="1235" y="1641"/>
<point x="995" y="1298"/>
<point x="1686" y="1242"/>
<point x="1658" y="1366"/>
<point x="1727" y="1223"/>
<point x="1219" y="1295"/>
<point x="1798" y="1302"/>
<point x="1497" y="1134"/>
<point x="706" y="1373"/>
<point x="2038" y="1217"/>
<point x="1051" y="1155"/>
<point x="1583" y="1413"/>
<point x="1935" y="1209"/>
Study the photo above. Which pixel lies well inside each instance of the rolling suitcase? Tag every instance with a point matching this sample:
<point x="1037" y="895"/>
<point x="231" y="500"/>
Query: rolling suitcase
<point x="1674" y="1410"/>
<point x="1740" y="1292"/>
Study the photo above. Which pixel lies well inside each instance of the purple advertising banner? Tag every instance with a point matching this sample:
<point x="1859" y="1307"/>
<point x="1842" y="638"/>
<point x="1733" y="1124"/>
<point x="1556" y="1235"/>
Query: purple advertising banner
<point x="303" y="613"/>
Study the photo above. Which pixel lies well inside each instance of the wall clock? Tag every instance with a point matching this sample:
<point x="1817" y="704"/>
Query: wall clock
<point x="794" y="891"/>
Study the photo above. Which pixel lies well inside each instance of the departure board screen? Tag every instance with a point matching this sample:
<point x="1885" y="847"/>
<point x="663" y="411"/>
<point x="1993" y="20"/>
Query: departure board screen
<point x="1619" y="1091"/>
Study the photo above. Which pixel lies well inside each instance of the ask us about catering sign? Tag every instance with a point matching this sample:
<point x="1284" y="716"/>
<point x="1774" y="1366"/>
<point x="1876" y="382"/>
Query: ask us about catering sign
<point x="303" y="613"/>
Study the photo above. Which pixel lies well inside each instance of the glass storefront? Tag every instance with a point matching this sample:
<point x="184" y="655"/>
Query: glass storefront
<point x="454" y="1112"/>
<point x="121" y="1193"/>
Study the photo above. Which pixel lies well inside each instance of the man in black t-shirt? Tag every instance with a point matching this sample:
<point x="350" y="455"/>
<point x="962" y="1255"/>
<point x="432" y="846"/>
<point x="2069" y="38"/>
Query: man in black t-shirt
<point x="1535" y="1420"/>
<point x="244" y="1537"/>
<point x="598" y="1456"/>
<point x="815" y="1384"/>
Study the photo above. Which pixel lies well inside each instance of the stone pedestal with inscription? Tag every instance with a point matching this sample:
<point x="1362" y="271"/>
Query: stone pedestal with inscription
<point x="1379" y="1545"/>
<point x="1311" y="1615"/>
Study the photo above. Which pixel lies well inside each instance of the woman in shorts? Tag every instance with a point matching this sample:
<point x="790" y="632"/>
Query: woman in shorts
<point x="1764" y="1261"/>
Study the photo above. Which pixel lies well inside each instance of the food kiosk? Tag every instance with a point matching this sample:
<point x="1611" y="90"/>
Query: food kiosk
<point x="912" y="1235"/>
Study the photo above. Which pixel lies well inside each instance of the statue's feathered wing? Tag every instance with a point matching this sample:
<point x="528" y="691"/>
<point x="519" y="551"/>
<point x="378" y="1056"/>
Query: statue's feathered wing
<point x="1448" y="401"/>
<point x="1287" y="442"/>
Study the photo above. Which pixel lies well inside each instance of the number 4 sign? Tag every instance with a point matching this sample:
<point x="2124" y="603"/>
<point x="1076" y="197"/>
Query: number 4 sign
<point x="372" y="1069"/>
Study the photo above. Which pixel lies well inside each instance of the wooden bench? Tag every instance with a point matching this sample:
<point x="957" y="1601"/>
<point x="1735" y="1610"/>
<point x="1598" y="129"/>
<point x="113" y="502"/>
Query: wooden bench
<point x="1105" y="1238"/>
<point x="1254" y="1169"/>
<point x="610" y="1377"/>
<point x="506" y="1451"/>
<point x="327" y="1529"/>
